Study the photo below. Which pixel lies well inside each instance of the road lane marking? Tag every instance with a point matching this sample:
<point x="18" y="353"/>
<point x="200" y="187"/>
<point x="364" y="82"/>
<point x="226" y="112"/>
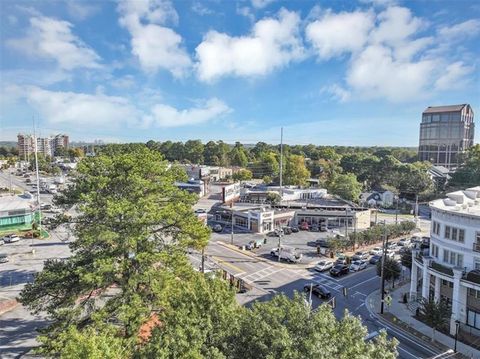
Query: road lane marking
<point x="365" y="281"/>
<point x="407" y="352"/>
<point x="227" y="264"/>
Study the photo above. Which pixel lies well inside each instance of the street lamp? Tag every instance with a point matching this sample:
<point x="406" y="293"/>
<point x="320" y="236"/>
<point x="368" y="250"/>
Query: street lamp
<point x="396" y="209"/>
<point x="457" y="326"/>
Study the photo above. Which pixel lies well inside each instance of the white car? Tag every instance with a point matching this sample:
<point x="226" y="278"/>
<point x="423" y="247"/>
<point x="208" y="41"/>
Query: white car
<point x="323" y="266"/>
<point x="377" y="251"/>
<point x="11" y="238"/>
<point x="358" y="266"/>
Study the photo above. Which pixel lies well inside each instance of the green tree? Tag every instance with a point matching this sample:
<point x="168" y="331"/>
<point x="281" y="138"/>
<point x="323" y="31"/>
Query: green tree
<point x="133" y="226"/>
<point x="287" y="328"/>
<point x="266" y="165"/>
<point x="469" y="173"/>
<point x="391" y="270"/>
<point x="345" y="186"/>
<point x="193" y="151"/>
<point x="273" y="198"/>
<point x="406" y="259"/>
<point x="296" y="173"/>
<point x="434" y="314"/>
<point x="242" y="175"/>
<point x="238" y="155"/>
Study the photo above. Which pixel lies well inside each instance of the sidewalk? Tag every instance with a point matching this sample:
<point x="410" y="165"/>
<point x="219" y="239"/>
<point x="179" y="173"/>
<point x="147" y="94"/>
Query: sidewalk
<point x="403" y="314"/>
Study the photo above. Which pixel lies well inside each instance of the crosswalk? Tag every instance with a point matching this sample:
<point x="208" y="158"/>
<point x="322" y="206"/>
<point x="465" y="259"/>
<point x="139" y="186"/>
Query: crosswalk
<point x="260" y="274"/>
<point x="324" y="280"/>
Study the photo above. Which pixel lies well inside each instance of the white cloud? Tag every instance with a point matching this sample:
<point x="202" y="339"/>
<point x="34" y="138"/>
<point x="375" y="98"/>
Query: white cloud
<point x="273" y="43"/>
<point x="260" y="4"/>
<point x="379" y="3"/>
<point x="247" y="12"/>
<point x="453" y="76"/>
<point x="53" y="39"/>
<point x="79" y="109"/>
<point x="338" y="93"/>
<point x="464" y="29"/>
<point x="168" y="116"/>
<point x="201" y="9"/>
<point x="81" y="10"/>
<point x="397" y="24"/>
<point x="335" y="34"/>
<point x="155" y="46"/>
<point x="100" y="110"/>
<point x="375" y="73"/>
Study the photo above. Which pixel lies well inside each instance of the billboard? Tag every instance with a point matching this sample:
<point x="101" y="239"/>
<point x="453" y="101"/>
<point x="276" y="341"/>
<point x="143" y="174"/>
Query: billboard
<point x="231" y="192"/>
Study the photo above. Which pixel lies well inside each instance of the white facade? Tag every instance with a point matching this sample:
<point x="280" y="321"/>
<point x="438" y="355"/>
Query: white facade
<point x="448" y="272"/>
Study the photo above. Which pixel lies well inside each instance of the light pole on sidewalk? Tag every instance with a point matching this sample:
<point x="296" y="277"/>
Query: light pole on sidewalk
<point x="384" y="256"/>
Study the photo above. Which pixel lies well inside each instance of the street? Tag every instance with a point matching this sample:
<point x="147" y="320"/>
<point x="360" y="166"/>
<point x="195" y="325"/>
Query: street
<point x="270" y="278"/>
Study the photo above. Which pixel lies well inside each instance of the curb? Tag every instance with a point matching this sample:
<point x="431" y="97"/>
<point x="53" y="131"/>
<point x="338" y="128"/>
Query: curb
<point x="8" y="305"/>
<point x="261" y="259"/>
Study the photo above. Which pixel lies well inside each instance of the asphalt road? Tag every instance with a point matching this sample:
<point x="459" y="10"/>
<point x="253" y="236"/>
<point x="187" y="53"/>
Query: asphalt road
<point x="270" y="278"/>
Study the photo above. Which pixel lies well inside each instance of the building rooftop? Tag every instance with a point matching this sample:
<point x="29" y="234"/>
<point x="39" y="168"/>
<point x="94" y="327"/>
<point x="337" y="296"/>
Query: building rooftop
<point x="463" y="202"/>
<point x="450" y="108"/>
<point x="10" y="203"/>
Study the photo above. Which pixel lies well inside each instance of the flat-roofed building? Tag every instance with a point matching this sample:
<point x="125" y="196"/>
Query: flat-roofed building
<point x="446" y="132"/>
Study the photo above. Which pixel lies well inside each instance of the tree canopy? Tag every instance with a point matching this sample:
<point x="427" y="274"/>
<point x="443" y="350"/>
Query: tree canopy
<point x="129" y="290"/>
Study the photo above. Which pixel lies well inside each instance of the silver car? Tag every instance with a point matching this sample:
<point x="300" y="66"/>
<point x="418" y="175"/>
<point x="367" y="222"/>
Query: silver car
<point x="11" y="238"/>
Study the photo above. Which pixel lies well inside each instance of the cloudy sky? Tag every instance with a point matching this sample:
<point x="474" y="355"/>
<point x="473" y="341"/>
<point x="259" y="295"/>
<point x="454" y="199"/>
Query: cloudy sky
<point x="329" y="72"/>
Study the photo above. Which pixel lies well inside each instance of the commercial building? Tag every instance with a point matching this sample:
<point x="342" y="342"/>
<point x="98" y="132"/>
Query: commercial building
<point x="16" y="211"/>
<point x="446" y="132"/>
<point x="46" y="146"/>
<point x="451" y="270"/>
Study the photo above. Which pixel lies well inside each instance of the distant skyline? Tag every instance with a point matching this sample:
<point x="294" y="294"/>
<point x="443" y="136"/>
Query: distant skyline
<point x="329" y="72"/>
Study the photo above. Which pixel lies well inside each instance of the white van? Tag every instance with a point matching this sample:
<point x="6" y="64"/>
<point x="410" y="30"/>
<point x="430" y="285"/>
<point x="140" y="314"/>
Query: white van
<point x="287" y="253"/>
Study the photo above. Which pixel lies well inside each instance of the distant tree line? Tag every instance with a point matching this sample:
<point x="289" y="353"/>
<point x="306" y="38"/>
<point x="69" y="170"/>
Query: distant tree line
<point x="344" y="171"/>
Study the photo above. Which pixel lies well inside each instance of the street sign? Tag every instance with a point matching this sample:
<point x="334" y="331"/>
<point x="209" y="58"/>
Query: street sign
<point x="388" y="300"/>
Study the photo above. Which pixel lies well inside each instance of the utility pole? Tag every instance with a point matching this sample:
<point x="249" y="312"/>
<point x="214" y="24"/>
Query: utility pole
<point x="281" y="162"/>
<point x="396" y="210"/>
<point x="203" y="260"/>
<point x="346" y="223"/>
<point x="416" y="208"/>
<point x="384" y="256"/>
<point x="279" y="244"/>
<point x="231" y="214"/>
<point x="38" y="180"/>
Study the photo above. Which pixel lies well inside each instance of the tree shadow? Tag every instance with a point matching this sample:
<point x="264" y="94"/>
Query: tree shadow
<point x="18" y="335"/>
<point x="14" y="277"/>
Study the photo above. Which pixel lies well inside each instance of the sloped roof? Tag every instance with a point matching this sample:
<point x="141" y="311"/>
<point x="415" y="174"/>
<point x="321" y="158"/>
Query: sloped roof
<point x="450" y="108"/>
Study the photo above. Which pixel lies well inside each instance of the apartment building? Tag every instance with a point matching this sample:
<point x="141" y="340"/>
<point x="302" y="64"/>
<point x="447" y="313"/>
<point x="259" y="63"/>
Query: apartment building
<point x="451" y="271"/>
<point x="446" y="132"/>
<point x="45" y="145"/>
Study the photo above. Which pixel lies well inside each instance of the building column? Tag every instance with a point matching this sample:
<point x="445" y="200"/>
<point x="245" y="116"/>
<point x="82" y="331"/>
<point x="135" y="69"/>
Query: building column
<point x="413" y="276"/>
<point x="426" y="277"/>
<point x="436" y="296"/>
<point x="459" y="298"/>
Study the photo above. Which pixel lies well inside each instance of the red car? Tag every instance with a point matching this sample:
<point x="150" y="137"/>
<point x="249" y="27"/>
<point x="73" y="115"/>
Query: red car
<point x="304" y="226"/>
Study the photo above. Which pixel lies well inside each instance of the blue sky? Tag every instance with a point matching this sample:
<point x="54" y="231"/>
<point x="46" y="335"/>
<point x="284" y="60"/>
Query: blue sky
<point x="329" y="72"/>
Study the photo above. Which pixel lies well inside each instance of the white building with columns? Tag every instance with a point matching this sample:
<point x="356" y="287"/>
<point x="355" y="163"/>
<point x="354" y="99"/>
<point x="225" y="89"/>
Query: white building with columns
<point x="451" y="270"/>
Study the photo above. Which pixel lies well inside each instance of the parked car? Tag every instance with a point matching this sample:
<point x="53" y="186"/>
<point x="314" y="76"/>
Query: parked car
<point x="322" y="243"/>
<point x="405" y="242"/>
<point x="217" y="228"/>
<point x="315" y="228"/>
<point x="323" y="228"/>
<point x="295" y="229"/>
<point x="200" y="210"/>
<point x="374" y="259"/>
<point x="11" y="238"/>
<point x="323" y="266"/>
<point x="3" y="258"/>
<point x="304" y="226"/>
<point x="377" y="251"/>
<point x="287" y="230"/>
<point x="358" y="256"/>
<point x="2" y="242"/>
<point x="339" y="270"/>
<point x="390" y="253"/>
<point x="392" y="245"/>
<point x="273" y="234"/>
<point x="317" y="289"/>
<point x="341" y="261"/>
<point x="358" y="266"/>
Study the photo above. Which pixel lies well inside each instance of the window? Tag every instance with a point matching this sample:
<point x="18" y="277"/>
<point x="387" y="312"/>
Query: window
<point x="473" y="319"/>
<point x="459" y="260"/>
<point x="446" y="255"/>
<point x="454" y="233"/>
<point x="477" y="237"/>
<point x="435" y="227"/>
<point x="434" y="251"/>
<point x="447" y="232"/>
<point x="461" y="235"/>
<point x="476" y="263"/>
<point x="453" y="258"/>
